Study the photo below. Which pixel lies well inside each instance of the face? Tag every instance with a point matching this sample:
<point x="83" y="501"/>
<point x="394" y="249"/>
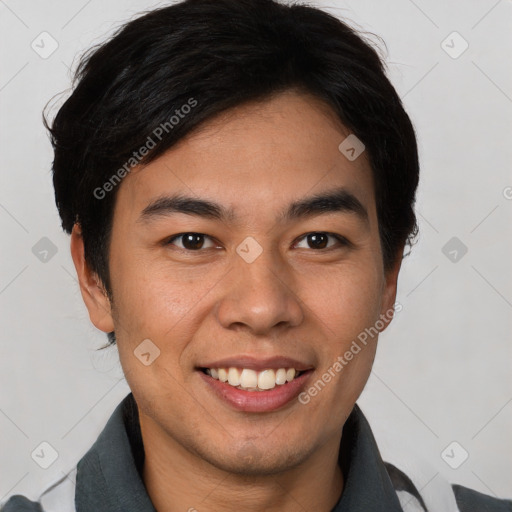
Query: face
<point x="248" y="282"/>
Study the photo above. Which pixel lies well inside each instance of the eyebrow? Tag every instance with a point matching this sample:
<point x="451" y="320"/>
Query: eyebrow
<point x="333" y="201"/>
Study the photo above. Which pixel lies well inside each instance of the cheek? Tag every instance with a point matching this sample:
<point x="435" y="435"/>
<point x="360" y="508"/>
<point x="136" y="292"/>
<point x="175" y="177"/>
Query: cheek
<point x="346" y="311"/>
<point x="347" y="299"/>
<point x="164" y="305"/>
<point x="153" y="306"/>
<point x="146" y="292"/>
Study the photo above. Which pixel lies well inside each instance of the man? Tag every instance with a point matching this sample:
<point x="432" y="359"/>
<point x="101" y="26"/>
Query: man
<point x="238" y="179"/>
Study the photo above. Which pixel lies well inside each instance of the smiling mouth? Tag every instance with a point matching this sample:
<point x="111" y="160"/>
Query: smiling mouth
<point x="248" y="379"/>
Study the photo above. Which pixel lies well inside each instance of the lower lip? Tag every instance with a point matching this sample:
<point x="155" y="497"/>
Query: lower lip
<point x="257" y="401"/>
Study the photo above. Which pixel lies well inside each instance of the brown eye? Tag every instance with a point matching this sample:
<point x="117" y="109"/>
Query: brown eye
<point x="190" y="241"/>
<point x="320" y="240"/>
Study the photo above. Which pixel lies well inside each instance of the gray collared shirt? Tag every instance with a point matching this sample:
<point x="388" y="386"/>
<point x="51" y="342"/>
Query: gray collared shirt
<point x="109" y="476"/>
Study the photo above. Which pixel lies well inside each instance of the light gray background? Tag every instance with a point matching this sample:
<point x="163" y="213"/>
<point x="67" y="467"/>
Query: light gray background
<point x="443" y="368"/>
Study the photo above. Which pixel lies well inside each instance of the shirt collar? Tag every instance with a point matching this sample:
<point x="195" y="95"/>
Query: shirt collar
<point x="367" y="483"/>
<point x="109" y="476"/>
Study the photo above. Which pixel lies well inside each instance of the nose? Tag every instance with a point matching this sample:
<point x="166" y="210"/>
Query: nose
<point x="259" y="296"/>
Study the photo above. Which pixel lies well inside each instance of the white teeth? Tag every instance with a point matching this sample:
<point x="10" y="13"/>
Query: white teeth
<point x="281" y="376"/>
<point x="267" y="379"/>
<point x="233" y="377"/>
<point x="252" y="380"/>
<point x="248" y="378"/>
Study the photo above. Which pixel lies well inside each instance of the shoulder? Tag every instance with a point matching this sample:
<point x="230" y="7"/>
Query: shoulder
<point x="440" y="495"/>
<point x="18" y="503"/>
<point x="58" y="497"/>
<point x="469" y="500"/>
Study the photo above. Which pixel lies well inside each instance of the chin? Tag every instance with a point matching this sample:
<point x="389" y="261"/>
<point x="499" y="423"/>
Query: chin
<point x="252" y="461"/>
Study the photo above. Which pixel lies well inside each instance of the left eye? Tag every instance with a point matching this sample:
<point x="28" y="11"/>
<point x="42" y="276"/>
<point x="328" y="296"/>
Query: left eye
<point x="319" y="240"/>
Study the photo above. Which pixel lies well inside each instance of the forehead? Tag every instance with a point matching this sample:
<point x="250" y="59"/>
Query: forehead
<point x="255" y="156"/>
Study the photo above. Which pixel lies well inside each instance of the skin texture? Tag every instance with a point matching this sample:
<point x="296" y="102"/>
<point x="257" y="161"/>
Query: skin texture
<point x="294" y="300"/>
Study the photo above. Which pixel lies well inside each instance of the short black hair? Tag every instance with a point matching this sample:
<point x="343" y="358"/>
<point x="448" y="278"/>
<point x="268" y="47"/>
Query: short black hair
<point x="212" y="55"/>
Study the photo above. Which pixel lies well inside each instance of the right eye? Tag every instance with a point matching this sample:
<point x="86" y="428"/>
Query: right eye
<point x="192" y="242"/>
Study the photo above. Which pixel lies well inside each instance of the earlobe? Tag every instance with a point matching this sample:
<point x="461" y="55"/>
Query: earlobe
<point x="389" y="294"/>
<point x="91" y="288"/>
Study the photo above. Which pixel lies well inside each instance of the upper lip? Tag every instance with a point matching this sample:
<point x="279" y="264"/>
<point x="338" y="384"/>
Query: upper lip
<point x="257" y="364"/>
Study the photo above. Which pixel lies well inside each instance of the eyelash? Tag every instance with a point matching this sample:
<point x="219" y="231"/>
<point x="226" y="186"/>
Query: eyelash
<point x="342" y="241"/>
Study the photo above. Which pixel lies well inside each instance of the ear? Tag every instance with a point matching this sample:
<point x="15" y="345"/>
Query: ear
<point x="389" y="292"/>
<point x="93" y="293"/>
